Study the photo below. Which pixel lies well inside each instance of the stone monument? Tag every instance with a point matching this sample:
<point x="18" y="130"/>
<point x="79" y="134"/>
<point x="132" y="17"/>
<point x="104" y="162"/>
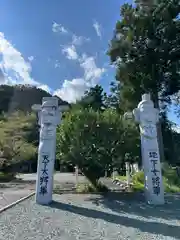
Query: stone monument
<point x="49" y="116"/>
<point x="77" y="174"/>
<point x="128" y="173"/>
<point x="135" y="168"/>
<point x="147" y="116"/>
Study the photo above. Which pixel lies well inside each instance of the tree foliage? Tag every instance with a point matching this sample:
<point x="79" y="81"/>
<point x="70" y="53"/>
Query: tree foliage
<point x="93" y="99"/>
<point x="146" y="50"/>
<point x="171" y="142"/>
<point x="112" y="100"/>
<point x="15" y="133"/>
<point x="95" y="140"/>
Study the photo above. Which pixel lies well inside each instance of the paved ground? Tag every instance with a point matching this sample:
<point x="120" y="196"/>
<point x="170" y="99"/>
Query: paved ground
<point x="59" y="177"/>
<point x="63" y="178"/>
<point x="12" y="191"/>
<point x="9" y="196"/>
<point x="92" y="217"/>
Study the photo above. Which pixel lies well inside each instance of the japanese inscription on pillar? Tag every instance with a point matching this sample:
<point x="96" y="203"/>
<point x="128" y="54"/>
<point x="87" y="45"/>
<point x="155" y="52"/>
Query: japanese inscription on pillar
<point x="44" y="177"/>
<point x="153" y="158"/>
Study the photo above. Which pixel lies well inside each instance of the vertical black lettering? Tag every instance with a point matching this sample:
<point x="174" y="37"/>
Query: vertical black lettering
<point x="155" y="178"/>
<point x="44" y="178"/>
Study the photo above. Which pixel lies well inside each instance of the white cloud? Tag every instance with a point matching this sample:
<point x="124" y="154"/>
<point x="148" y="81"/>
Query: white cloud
<point x="57" y="64"/>
<point x="79" y="40"/>
<point x="97" y="28"/>
<point x="176" y="128"/>
<point x="91" y="72"/>
<point x="70" y="52"/>
<point x="73" y="90"/>
<point x="58" y="28"/>
<point x="45" y="88"/>
<point x="30" y="58"/>
<point x="75" y="41"/>
<point x="15" y="69"/>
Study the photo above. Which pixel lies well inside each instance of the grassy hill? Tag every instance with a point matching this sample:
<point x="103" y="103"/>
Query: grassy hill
<point x="21" y="97"/>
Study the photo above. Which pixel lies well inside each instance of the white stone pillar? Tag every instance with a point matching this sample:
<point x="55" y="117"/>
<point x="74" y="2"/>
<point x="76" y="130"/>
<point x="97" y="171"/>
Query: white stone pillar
<point x="147" y="116"/>
<point x="114" y="173"/>
<point x="128" y="177"/>
<point x="49" y="115"/>
<point x="77" y="175"/>
<point x="135" y="167"/>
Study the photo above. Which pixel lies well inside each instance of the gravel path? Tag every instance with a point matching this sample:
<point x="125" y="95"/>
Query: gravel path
<point x="13" y="191"/>
<point x="91" y="217"/>
<point x="9" y="196"/>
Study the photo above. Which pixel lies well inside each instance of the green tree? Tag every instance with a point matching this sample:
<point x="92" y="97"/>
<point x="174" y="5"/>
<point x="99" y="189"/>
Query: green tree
<point x="94" y="141"/>
<point x="171" y="142"/>
<point x="112" y="99"/>
<point x="14" y="146"/>
<point x="146" y="49"/>
<point x="94" y="98"/>
<point x="175" y="136"/>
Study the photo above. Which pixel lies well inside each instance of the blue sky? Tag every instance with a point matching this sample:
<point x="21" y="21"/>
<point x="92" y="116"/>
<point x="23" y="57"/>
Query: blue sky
<point x="58" y="45"/>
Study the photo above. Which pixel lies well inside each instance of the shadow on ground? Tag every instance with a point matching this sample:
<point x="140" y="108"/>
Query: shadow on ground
<point x="134" y="203"/>
<point x="131" y="203"/>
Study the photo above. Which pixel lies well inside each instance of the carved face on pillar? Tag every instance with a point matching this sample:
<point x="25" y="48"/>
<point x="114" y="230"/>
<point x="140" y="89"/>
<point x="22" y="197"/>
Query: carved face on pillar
<point x="148" y="118"/>
<point x="48" y="115"/>
<point x="148" y="131"/>
<point x="48" y="121"/>
<point x="148" y="114"/>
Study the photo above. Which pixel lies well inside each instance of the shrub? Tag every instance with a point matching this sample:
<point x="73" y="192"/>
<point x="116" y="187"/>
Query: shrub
<point x="171" y="175"/>
<point x="138" y="177"/>
<point x="82" y="140"/>
<point x="6" y="177"/>
<point x="171" y="180"/>
<point x="89" y="188"/>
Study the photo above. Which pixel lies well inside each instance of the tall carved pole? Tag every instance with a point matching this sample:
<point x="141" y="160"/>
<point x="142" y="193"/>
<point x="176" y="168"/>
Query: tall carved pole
<point x="49" y="115"/>
<point x="147" y="116"/>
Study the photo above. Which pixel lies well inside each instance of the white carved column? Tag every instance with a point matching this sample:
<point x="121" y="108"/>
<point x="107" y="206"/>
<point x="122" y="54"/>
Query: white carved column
<point x="128" y="177"/>
<point x="147" y="116"/>
<point x="135" y="168"/>
<point x="115" y="173"/>
<point x="49" y="115"/>
<point x="77" y="175"/>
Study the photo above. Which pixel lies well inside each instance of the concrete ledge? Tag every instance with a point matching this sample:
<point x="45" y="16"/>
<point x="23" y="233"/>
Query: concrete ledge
<point x="16" y="202"/>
